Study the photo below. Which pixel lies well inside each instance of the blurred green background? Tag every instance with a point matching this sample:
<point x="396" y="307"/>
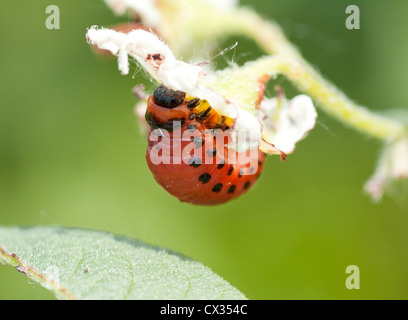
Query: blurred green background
<point x="71" y="154"/>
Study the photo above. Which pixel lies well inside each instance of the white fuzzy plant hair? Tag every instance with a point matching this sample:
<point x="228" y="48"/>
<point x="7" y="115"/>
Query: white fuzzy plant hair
<point x="276" y="127"/>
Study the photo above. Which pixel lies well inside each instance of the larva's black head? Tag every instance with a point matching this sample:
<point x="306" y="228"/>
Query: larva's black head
<point x="168" y="98"/>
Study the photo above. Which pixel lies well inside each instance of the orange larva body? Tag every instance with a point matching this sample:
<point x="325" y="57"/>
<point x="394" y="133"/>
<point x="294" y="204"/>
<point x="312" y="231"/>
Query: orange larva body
<point x="203" y="172"/>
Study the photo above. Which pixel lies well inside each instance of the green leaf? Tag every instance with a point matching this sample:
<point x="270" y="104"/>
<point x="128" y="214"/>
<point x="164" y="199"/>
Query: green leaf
<point x="86" y="264"/>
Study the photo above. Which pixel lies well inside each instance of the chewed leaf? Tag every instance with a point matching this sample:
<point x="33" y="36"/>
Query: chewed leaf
<point x="85" y="264"/>
<point x="158" y="60"/>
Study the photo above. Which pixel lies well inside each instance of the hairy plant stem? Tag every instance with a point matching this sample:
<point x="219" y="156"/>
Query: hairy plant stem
<point x="286" y="60"/>
<point x="329" y="98"/>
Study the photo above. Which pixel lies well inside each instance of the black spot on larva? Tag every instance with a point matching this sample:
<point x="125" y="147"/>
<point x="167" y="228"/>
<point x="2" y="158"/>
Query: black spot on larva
<point x="230" y="170"/>
<point x="147" y="117"/>
<point x="217" y="187"/>
<point x="241" y="172"/>
<point x="191" y="127"/>
<point x="212" y="152"/>
<point x="232" y="189"/>
<point x="215" y="131"/>
<point x="193" y="103"/>
<point x="247" y="184"/>
<point x="168" y="98"/>
<point x="221" y="164"/>
<point x="202" y="116"/>
<point x="169" y="125"/>
<point x="221" y="126"/>
<point x="195" y="162"/>
<point x="260" y="163"/>
<point x="198" y="141"/>
<point x="204" y="178"/>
